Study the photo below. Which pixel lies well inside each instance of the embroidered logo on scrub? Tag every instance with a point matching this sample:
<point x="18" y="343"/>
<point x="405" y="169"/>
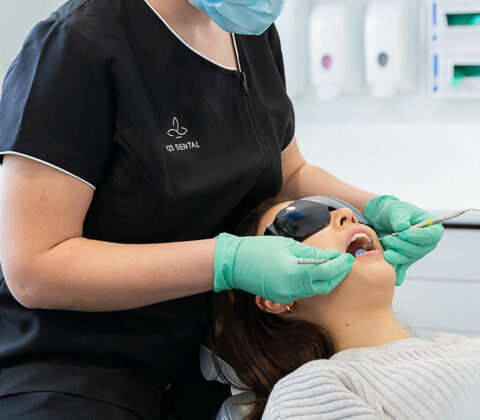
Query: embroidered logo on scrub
<point x="178" y="132"/>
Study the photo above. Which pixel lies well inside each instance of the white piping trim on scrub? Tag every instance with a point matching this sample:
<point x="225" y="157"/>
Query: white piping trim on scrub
<point x="191" y="48"/>
<point x="48" y="164"/>
<point x="236" y="53"/>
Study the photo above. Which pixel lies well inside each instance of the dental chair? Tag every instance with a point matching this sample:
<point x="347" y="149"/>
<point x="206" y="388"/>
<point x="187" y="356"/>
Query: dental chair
<point x="235" y="407"/>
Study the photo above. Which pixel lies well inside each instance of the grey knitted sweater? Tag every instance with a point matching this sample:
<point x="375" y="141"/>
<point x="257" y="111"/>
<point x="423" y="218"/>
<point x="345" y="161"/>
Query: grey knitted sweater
<point x="408" y="379"/>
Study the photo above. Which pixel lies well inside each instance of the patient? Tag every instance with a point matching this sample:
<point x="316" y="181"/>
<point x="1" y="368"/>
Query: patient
<point x="341" y="355"/>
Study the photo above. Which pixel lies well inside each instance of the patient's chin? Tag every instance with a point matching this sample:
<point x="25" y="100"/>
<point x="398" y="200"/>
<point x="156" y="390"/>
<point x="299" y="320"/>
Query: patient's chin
<point x="374" y="269"/>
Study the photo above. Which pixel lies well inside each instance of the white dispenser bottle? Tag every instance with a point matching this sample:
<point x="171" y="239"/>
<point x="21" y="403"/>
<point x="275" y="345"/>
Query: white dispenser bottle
<point x="391" y="46"/>
<point x="336" y="48"/>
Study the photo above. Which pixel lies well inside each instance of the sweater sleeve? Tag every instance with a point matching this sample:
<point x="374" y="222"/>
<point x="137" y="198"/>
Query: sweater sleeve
<point x="317" y="391"/>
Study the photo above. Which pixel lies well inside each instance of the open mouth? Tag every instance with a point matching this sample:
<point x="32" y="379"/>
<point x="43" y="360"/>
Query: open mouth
<point x="359" y="244"/>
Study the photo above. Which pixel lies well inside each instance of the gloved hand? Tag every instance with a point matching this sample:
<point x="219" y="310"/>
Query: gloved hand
<point x="267" y="266"/>
<point x="388" y="214"/>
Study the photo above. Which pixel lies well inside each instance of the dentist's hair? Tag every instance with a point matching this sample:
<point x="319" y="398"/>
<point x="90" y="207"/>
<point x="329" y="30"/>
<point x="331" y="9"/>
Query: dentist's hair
<point x="261" y="347"/>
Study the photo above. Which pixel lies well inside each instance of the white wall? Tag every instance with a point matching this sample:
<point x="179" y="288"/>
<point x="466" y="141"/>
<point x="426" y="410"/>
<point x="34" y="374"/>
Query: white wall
<point x="435" y="166"/>
<point x="17" y="18"/>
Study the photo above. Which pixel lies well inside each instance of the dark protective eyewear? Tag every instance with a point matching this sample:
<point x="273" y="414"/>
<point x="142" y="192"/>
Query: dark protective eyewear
<point x="307" y="216"/>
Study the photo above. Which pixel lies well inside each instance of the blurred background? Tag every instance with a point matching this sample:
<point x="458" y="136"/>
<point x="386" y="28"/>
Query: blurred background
<point x="387" y="98"/>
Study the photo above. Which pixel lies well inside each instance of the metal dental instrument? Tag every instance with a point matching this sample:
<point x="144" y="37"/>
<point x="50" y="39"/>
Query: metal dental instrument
<point x="418" y="225"/>
<point x="429" y="222"/>
<point x="312" y="261"/>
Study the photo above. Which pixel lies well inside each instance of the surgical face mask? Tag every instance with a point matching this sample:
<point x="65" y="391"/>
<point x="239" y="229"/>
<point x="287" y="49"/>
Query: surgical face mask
<point x="246" y="17"/>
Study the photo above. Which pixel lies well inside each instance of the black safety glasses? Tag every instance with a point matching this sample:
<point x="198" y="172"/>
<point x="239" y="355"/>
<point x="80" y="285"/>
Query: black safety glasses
<point x="307" y="216"/>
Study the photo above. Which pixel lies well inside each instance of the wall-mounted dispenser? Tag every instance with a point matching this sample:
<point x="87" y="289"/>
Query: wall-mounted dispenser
<point x="454" y="48"/>
<point x="336" y="48"/>
<point x="392" y="46"/>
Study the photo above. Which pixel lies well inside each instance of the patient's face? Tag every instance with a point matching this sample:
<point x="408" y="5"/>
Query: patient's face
<point x="369" y="286"/>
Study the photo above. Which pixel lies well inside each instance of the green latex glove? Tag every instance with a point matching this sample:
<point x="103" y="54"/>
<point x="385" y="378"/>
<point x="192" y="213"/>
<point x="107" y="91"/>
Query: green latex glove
<point x="268" y="266"/>
<point x="388" y="214"/>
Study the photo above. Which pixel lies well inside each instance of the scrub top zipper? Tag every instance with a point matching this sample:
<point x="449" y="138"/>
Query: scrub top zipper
<point x="245" y="93"/>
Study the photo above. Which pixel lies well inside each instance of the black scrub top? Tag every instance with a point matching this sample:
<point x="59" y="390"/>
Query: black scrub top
<point x="177" y="148"/>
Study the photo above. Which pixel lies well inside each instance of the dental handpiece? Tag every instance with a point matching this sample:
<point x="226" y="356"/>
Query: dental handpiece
<point x="430" y="222"/>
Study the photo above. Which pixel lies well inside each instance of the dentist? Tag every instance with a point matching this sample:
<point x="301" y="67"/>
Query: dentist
<point x="134" y="135"/>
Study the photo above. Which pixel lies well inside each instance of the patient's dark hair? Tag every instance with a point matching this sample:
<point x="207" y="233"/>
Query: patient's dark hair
<point x="262" y="348"/>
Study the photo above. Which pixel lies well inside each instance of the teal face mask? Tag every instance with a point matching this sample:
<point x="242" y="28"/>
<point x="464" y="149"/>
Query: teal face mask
<point x="246" y="17"/>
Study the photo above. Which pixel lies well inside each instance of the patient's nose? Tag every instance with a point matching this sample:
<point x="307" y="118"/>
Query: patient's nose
<point x="343" y="218"/>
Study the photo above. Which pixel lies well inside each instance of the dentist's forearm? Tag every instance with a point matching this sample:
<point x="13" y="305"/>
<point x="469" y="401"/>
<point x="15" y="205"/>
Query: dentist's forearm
<point x="311" y="180"/>
<point x="88" y="275"/>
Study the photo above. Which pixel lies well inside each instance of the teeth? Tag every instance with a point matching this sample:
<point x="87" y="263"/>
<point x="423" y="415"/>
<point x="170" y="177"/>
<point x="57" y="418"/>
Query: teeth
<point x="359" y="235"/>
